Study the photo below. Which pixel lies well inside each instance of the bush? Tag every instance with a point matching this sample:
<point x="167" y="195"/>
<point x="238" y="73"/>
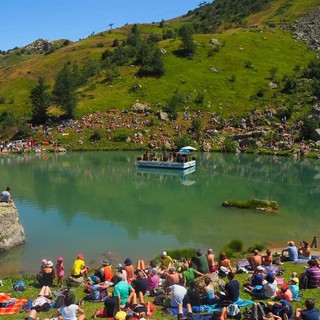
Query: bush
<point x="228" y="251"/>
<point x="235" y="245"/>
<point x="230" y="145"/>
<point x="96" y="136"/>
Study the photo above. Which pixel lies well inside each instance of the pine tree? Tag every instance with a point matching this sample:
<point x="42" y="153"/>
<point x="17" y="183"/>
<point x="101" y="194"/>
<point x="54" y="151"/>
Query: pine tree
<point x="64" y="91"/>
<point x="40" y="100"/>
<point x="188" y="46"/>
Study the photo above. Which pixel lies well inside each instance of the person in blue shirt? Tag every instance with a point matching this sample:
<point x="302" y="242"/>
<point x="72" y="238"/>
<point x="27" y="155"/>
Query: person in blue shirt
<point x="290" y="253"/>
<point x="309" y="313"/>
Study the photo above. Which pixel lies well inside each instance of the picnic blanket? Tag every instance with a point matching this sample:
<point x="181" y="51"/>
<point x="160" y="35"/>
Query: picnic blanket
<point x="212" y="308"/>
<point x="245" y="265"/>
<point x="11" y="308"/>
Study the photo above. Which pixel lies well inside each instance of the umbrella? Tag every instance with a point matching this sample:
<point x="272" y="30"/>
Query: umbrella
<point x="188" y="148"/>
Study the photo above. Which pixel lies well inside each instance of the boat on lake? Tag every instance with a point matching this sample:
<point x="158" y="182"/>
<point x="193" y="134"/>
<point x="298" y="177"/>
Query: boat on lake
<point x="183" y="159"/>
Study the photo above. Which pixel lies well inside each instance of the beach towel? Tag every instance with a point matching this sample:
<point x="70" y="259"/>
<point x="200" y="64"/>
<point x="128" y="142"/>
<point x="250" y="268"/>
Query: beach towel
<point x="211" y="308"/>
<point x="11" y="308"/>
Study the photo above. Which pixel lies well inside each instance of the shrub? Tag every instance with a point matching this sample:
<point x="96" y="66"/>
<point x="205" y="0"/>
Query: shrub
<point x="230" y="145"/>
<point x="235" y="245"/>
<point x="96" y="136"/>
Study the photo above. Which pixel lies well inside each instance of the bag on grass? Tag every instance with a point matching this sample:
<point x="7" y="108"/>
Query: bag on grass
<point x="19" y="286"/>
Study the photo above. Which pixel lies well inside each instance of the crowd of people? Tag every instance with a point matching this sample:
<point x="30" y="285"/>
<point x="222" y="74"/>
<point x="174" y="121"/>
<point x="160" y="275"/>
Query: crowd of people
<point x="183" y="285"/>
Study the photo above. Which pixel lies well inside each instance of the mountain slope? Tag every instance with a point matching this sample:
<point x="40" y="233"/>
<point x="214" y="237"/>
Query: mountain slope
<point x="243" y="60"/>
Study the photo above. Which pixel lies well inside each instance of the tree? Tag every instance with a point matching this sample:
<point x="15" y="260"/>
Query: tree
<point x="64" y="91"/>
<point x="188" y="46"/>
<point x="197" y="127"/>
<point x="40" y="100"/>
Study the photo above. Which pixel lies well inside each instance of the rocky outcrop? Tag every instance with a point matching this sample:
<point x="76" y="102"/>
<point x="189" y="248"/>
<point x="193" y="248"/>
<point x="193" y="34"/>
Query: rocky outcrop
<point x="11" y="231"/>
<point x="307" y="30"/>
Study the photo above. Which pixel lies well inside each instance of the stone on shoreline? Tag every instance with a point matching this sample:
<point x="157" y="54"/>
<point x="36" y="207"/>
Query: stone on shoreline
<point x="11" y="231"/>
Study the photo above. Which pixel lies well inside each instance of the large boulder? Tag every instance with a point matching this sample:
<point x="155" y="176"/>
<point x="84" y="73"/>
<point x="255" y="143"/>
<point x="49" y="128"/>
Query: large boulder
<point x="11" y="231"/>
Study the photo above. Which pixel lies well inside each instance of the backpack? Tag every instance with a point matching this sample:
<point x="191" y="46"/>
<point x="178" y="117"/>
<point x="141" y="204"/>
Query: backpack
<point x="59" y="301"/>
<point x="303" y="283"/>
<point x="233" y="311"/>
<point x="19" y="286"/>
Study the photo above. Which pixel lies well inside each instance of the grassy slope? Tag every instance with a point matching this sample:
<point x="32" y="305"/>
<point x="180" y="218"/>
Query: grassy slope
<point x="89" y="307"/>
<point x="264" y="50"/>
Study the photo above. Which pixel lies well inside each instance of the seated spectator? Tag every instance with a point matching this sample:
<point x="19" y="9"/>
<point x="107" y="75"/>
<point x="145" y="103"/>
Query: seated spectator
<point x="200" y="262"/>
<point x="140" y="283"/>
<point x="171" y="277"/>
<point x="192" y="296"/>
<point x="208" y="295"/>
<point x="6" y="197"/>
<point x="166" y="261"/>
<point x="224" y="262"/>
<point x="210" y="260"/>
<point x="105" y="271"/>
<point x="294" y="287"/>
<point x="98" y="291"/>
<point x="177" y="296"/>
<point x="47" y="274"/>
<point x="128" y="266"/>
<point x="152" y="280"/>
<point x="269" y="288"/>
<point x="79" y="268"/>
<point x="313" y="274"/>
<point x="256" y="280"/>
<point x="69" y="311"/>
<point x="231" y="289"/>
<point x="189" y="275"/>
<point x="255" y="260"/>
<point x="290" y="253"/>
<point x="285" y="293"/>
<point x="308" y="313"/>
<point x="123" y="292"/>
<point x="304" y="250"/>
<point x="267" y="258"/>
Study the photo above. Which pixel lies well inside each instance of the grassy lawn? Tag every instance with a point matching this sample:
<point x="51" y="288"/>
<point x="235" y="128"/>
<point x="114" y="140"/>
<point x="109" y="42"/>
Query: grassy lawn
<point x="32" y="290"/>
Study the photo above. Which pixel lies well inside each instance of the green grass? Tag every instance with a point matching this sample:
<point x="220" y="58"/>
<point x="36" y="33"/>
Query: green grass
<point x="32" y="291"/>
<point x="181" y="75"/>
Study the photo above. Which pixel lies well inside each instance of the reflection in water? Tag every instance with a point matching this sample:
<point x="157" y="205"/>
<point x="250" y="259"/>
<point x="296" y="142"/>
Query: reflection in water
<point x="100" y="202"/>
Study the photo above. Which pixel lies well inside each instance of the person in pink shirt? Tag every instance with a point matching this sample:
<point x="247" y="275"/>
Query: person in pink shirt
<point x="60" y="271"/>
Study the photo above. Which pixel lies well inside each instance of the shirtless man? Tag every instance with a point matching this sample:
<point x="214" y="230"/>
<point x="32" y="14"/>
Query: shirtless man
<point x="255" y="260"/>
<point x="210" y="259"/>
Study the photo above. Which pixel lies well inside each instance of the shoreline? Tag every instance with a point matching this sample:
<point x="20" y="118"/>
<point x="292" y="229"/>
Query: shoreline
<point x="115" y="260"/>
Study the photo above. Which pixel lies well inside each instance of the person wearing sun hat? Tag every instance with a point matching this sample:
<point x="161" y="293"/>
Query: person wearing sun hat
<point x="79" y="268"/>
<point x="105" y="271"/>
<point x="290" y="253"/>
<point x="46" y="275"/>
<point x="294" y="287"/>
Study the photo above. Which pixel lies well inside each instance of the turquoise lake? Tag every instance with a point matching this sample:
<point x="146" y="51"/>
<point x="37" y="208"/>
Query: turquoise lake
<point x="100" y="204"/>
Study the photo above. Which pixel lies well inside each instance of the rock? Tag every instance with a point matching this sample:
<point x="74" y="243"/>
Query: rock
<point x="11" y="231"/>
<point x="316" y="134"/>
<point x="163" y="116"/>
<point x="215" y="42"/>
<point x="272" y="85"/>
<point x="140" y="107"/>
<point x="214" y="69"/>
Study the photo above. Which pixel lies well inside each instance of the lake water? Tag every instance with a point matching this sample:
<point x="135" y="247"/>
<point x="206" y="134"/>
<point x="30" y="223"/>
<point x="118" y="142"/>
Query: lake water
<point x="100" y="204"/>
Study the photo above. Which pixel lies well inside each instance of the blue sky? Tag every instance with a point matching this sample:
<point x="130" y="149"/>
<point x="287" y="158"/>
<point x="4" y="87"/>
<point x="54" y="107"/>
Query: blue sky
<point x="23" y="21"/>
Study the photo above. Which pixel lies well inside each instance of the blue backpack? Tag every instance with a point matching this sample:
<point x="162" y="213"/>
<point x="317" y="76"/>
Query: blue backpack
<point x="19" y="286"/>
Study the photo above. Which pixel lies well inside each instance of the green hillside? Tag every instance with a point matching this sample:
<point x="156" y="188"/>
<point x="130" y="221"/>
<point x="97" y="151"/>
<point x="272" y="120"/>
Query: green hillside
<point x="230" y="71"/>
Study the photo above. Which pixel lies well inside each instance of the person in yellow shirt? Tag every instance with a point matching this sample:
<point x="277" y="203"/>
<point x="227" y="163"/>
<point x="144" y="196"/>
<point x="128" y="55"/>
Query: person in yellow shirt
<point x="79" y="268"/>
<point x="166" y="260"/>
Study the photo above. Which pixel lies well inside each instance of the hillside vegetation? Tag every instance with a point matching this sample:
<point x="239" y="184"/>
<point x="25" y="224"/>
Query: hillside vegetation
<point x="244" y="66"/>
